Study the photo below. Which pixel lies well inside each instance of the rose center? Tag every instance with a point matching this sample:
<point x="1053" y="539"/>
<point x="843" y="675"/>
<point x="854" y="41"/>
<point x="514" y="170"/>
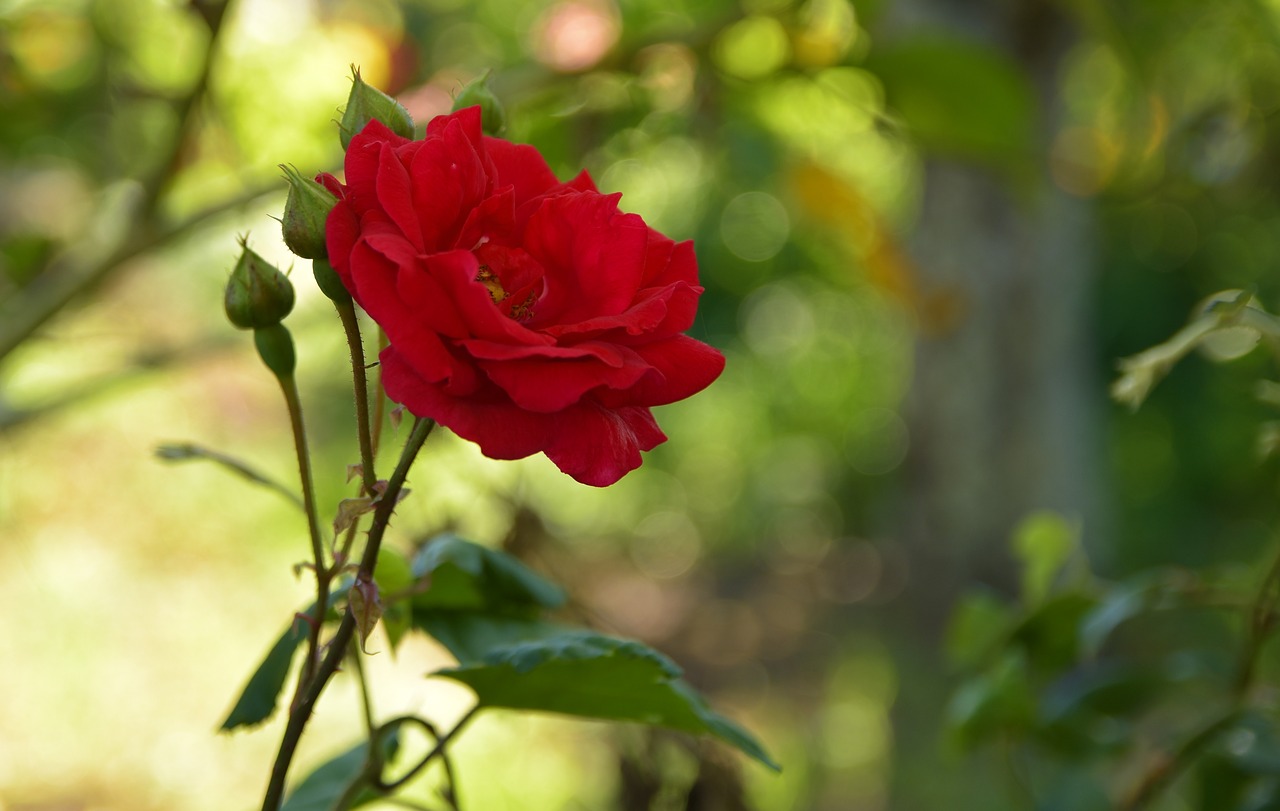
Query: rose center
<point x="521" y="311"/>
<point x="487" y="278"/>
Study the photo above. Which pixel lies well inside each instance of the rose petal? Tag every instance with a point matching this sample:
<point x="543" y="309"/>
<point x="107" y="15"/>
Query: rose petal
<point x="456" y="272"/>
<point x="520" y="167"/>
<point x="551" y="383"/>
<point x="364" y="153"/>
<point x="598" y="446"/>
<point x="449" y="181"/>
<point x="592" y="253"/>
<point x="395" y="195"/>
<point x="501" y="429"/>
<point x="683" y="367"/>
<point x="374" y="275"/>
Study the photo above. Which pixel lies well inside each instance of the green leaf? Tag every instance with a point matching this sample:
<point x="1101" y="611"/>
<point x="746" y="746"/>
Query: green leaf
<point x="959" y="97"/>
<point x="395" y="579"/>
<point x="392" y="573"/>
<point x="258" y="699"/>
<point x="466" y="576"/>
<point x="583" y="673"/>
<point x="1043" y="542"/>
<point x="997" y="701"/>
<point x="1119" y="606"/>
<point x="1050" y="634"/>
<point x="319" y="790"/>
<point x="472" y="636"/>
<point x="979" y="623"/>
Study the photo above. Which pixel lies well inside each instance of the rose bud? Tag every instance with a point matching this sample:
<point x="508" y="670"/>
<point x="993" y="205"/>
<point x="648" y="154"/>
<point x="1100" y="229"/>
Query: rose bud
<point x="258" y="295"/>
<point x="493" y="116"/>
<point x="305" y="210"/>
<point x="367" y="104"/>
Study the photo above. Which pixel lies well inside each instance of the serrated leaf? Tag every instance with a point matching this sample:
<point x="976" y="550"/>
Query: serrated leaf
<point x="258" y="700"/>
<point x="587" y="674"/>
<point x="471" y="636"/>
<point x="466" y="576"/>
<point x="319" y="790"/>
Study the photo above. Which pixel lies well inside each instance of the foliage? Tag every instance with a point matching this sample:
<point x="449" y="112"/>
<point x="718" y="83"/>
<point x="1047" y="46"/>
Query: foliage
<point x="1083" y="674"/>
<point x="791" y="140"/>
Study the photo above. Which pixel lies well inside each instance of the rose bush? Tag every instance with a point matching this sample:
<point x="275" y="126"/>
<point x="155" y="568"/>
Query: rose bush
<point x="523" y="313"/>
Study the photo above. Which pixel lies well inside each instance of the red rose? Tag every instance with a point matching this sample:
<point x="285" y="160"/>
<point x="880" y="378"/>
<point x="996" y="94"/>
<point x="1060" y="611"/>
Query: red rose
<point x="523" y="313"/>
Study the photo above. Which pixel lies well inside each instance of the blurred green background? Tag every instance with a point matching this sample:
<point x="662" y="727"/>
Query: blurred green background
<point x="927" y="229"/>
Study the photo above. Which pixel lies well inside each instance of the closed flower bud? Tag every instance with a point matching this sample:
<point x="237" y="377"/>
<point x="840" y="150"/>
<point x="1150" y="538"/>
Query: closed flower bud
<point x="367" y="104"/>
<point x="305" y="211"/>
<point x="275" y="347"/>
<point x="258" y="295"/>
<point x="493" y="116"/>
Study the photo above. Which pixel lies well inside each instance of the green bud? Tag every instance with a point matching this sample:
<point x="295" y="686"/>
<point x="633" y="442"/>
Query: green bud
<point x="305" y="212"/>
<point x="258" y="295"/>
<point x="329" y="282"/>
<point x="366" y="104"/>
<point x="275" y="347"/>
<point x="493" y="116"/>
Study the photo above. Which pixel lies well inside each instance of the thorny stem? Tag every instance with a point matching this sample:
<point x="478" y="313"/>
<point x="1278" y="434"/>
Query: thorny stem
<point x="304" y="703"/>
<point x="1260" y="622"/>
<point x="351" y="325"/>
<point x="380" y="405"/>
<point x="289" y="386"/>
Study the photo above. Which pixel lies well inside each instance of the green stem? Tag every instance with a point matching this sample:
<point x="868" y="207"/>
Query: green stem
<point x="181" y="452"/>
<point x="304" y="703"/>
<point x="436" y="751"/>
<point x="366" y="700"/>
<point x="289" y="386"/>
<point x="1260" y="619"/>
<point x="380" y="405"/>
<point x="351" y="326"/>
<point x="1160" y="777"/>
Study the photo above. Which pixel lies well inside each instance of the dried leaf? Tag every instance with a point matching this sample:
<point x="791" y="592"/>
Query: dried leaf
<point x="349" y="511"/>
<point x="366" y="607"/>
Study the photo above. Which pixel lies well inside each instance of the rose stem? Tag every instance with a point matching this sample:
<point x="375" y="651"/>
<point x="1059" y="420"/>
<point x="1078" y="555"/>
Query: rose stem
<point x="351" y="325"/>
<point x="304" y="704"/>
<point x="289" y="386"/>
